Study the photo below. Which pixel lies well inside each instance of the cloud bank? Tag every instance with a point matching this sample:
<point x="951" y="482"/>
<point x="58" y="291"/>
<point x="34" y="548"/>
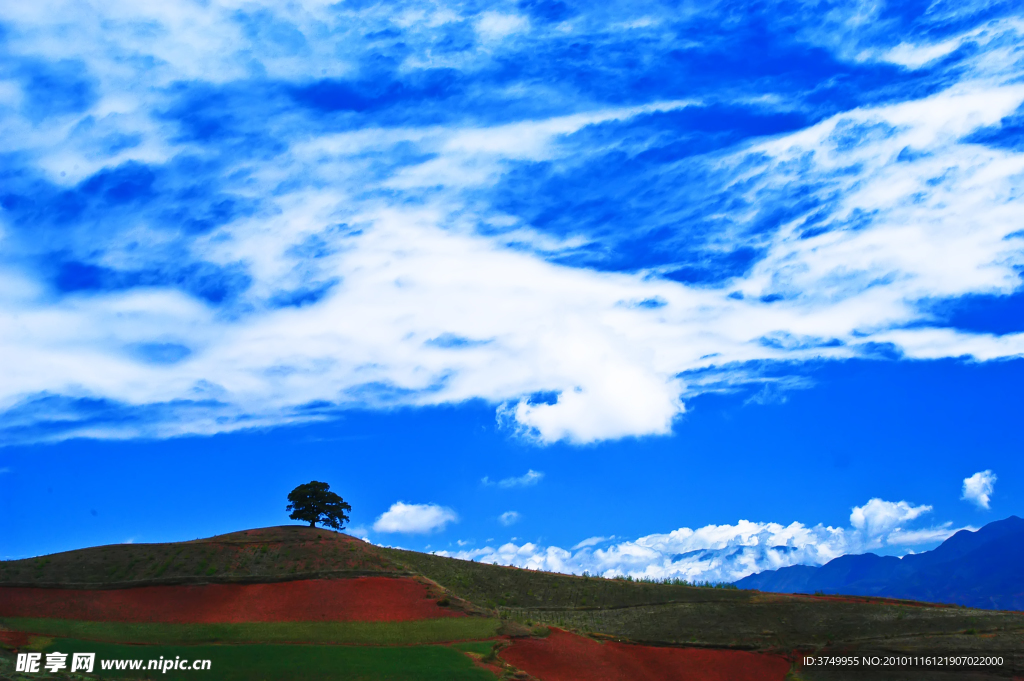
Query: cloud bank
<point x="725" y="553"/>
<point x="217" y="218"/>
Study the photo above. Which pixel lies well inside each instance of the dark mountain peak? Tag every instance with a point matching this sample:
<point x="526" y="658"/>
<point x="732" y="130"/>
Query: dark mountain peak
<point x="856" y="567"/>
<point x="968" y="541"/>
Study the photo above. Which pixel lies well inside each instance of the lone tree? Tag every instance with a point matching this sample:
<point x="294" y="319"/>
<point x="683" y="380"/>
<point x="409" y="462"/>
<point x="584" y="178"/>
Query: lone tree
<point x="315" y="503"/>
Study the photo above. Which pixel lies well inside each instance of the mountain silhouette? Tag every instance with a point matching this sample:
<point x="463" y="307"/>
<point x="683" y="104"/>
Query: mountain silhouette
<point x="982" y="569"/>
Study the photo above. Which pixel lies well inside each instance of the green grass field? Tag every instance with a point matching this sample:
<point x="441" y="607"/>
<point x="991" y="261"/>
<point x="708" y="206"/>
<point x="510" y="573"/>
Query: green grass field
<point x="478" y="647"/>
<point x="288" y="662"/>
<point x="351" y="633"/>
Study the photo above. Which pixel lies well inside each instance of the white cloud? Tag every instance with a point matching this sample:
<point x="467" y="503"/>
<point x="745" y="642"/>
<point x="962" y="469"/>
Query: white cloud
<point x="527" y="479"/>
<point x="927" y="535"/>
<point x="642" y="22"/>
<point x="495" y="25"/>
<point x="616" y="368"/>
<point x="592" y="541"/>
<point x="475" y="157"/>
<point x="877" y="519"/>
<point x="414" y="518"/>
<point x="553" y="328"/>
<point x="979" y="487"/>
<point x="509" y="518"/>
<point x="358" y="531"/>
<point x="916" y="56"/>
<point x="934" y="222"/>
<point x="725" y="552"/>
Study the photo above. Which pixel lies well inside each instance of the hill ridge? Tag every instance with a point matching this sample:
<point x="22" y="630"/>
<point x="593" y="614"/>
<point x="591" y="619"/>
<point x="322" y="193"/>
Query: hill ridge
<point x="279" y="553"/>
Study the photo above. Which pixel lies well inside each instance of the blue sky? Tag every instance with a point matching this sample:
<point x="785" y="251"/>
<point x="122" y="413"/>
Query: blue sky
<point x="697" y="289"/>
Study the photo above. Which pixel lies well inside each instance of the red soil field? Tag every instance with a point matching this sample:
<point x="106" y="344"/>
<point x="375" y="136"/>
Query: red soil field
<point x="566" y="657"/>
<point x="361" y="599"/>
<point x="14" y="639"/>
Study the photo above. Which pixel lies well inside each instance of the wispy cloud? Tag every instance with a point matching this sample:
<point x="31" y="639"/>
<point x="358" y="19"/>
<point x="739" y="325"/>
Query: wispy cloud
<point x="592" y="541"/>
<point x="217" y="218"/>
<point x="358" y="531"/>
<point x="527" y="479"/>
<point x="494" y="25"/>
<point x="509" y="518"/>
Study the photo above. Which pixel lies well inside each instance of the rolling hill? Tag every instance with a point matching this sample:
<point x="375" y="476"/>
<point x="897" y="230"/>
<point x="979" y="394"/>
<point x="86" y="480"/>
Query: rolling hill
<point x="263" y="601"/>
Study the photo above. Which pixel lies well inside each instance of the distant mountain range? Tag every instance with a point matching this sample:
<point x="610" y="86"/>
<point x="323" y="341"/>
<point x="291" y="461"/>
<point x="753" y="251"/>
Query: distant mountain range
<point x="983" y="569"/>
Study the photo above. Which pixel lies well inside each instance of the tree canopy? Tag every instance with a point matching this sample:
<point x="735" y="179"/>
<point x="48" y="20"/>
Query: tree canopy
<point x="314" y="502"/>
